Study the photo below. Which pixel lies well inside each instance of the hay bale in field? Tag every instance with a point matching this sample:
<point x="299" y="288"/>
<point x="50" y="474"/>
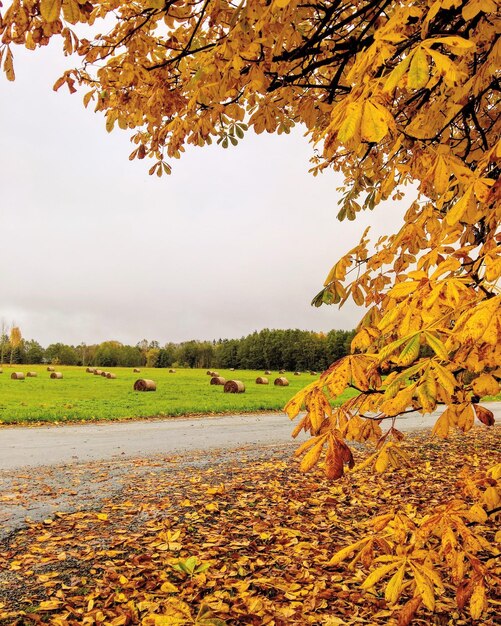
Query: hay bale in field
<point x="98" y="372"/>
<point x="215" y="374"/>
<point x="313" y="373"/>
<point x="217" y="380"/>
<point x="110" y="375"/>
<point x="51" y="369"/>
<point x="57" y="375"/>
<point x="234" y="386"/>
<point x="209" y="372"/>
<point x="144" y="384"/>
<point x="267" y="373"/>
<point x="232" y="369"/>
<point x="104" y="374"/>
<point x="31" y="374"/>
<point x="1" y="371"/>
<point x="171" y="371"/>
<point x="90" y="370"/>
<point x="136" y="370"/>
<point x="281" y="371"/>
<point x="281" y="382"/>
<point x="262" y="380"/>
<point x="297" y="373"/>
<point x="17" y="375"/>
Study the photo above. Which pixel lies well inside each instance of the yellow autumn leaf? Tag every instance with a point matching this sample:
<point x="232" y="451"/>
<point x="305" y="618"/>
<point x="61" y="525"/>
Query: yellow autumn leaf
<point x="168" y="587"/>
<point x="425" y="588"/>
<point x="459" y="45"/>
<point x="374" y="126"/>
<point x="400" y="402"/>
<point x="410" y="351"/>
<point x="395" y="585"/>
<point x="8" y="65"/>
<point x="50" y="9"/>
<point x="437" y="346"/>
<point x="311" y="458"/>
<point x="71" y="11"/>
<point x="50" y="605"/>
<point x="396" y="75"/>
<point x="382" y="461"/>
<point x="460" y="208"/>
<point x="441" y="177"/>
<point x="102" y="516"/>
<point x="492" y="498"/>
<point x="359" y="373"/>
<point x="344" y="553"/>
<point x="403" y="289"/>
<point x="351" y="123"/>
<point x="477" y="514"/>
<point x="444" y="377"/>
<point x="339" y="376"/>
<point x="485" y="385"/>
<point x="477" y="323"/>
<point x="418" y="71"/>
<point x="474" y="7"/>
<point x="442" y="425"/>
<point x="478" y="601"/>
<point x="379" y="573"/>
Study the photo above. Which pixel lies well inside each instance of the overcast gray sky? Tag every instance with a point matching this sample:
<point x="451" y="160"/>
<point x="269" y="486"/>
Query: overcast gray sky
<point x="93" y="248"/>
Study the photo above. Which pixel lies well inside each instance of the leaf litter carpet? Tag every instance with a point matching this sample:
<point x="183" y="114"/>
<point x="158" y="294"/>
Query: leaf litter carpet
<point x="237" y="537"/>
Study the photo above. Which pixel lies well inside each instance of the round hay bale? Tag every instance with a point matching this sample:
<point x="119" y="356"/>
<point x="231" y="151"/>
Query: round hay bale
<point x="90" y="370"/>
<point x="209" y="373"/>
<point x="144" y="384"/>
<point x="215" y="374"/>
<point x="98" y="372"/>
<point x="31" y="374"/>
<point x="172" y="371"/>
<point x="136" y="370"/>
<point x="232" y="369"/>
<point x="281" y="382"/>
<point x="56" y="375"/>
<point x="313" y="373"/>
<point x="267" y="373"/>
<point x="262" y="380"/>
<point x="234" y="386"/>
<point x="51" y="369"/>
<point x="297" y="373"/>
<point x="217" y="380"/>
<point x="110" y="375"/>
<point x="1" y="371"/>
<point x="281" y="371"/>
<point x="17" y="375"/>
<point x="105" y="374"/>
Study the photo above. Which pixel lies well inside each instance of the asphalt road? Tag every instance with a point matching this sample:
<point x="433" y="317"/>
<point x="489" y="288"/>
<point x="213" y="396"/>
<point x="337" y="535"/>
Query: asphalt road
<point x="52" y="445"/>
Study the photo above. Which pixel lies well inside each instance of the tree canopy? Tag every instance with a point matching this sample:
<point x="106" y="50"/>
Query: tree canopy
<point x="390" y="93"/>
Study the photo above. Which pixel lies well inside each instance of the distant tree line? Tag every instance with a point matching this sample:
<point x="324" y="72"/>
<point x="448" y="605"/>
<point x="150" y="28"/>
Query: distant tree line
<point x="267" y="349"/>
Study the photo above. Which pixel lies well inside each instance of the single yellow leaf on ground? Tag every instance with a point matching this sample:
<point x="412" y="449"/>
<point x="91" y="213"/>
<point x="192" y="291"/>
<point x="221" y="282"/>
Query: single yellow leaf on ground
<point x="394" y="587"/>
<point x="380" y="573"/>
<point x="478" y="602"/>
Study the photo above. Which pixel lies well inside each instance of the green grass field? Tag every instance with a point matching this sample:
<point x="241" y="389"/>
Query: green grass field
<point x="84" y="397"/>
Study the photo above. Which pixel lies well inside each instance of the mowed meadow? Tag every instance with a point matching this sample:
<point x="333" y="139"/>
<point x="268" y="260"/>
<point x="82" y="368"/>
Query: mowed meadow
<point x="80" y="396"/>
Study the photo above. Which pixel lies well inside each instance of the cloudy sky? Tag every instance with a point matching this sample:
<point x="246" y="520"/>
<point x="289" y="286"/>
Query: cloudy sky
<point x="93" y="248"/>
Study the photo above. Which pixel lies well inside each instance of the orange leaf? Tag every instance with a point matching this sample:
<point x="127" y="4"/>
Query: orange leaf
<point x="406" y="615"/>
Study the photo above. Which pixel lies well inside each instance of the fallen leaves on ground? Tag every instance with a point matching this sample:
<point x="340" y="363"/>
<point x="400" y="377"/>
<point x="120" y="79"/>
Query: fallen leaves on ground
<point x="249" y="541"/>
